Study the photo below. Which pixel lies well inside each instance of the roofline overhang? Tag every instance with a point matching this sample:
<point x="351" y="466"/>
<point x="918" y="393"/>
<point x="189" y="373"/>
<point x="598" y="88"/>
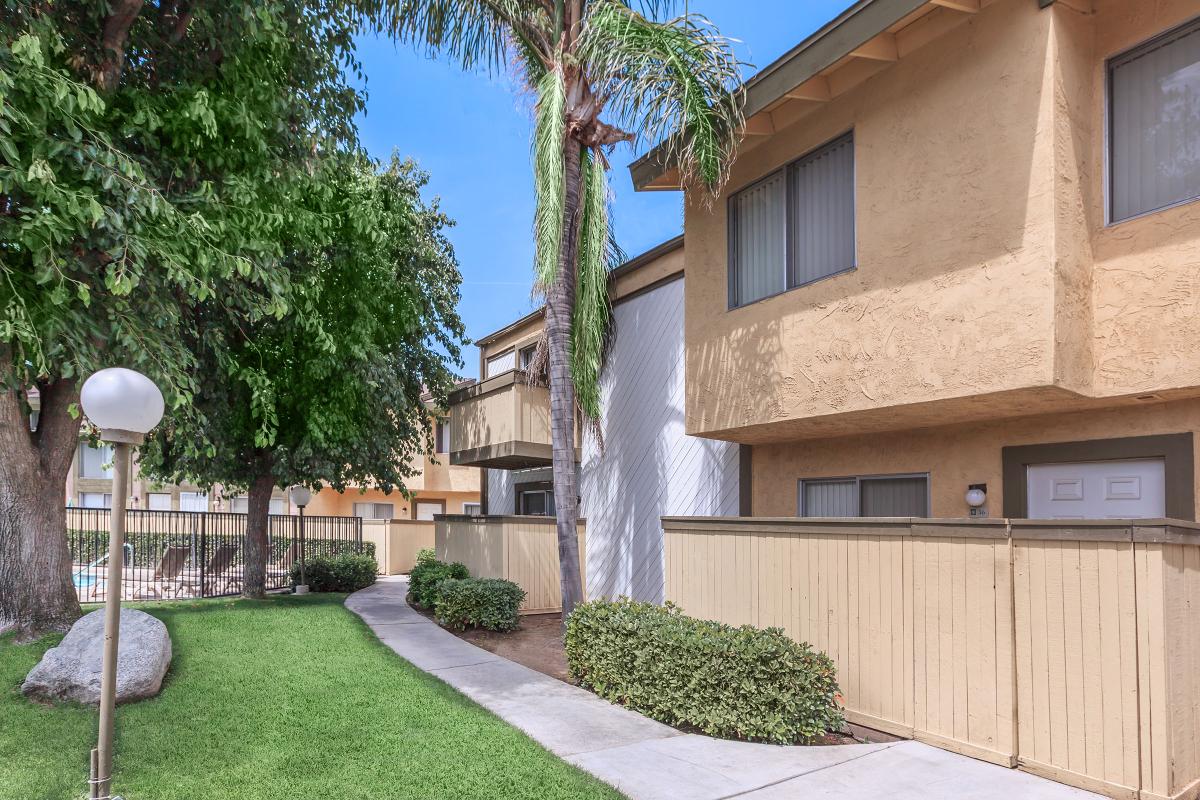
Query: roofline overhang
<point x="834" y="41"/>
<point x="631" y="265"/>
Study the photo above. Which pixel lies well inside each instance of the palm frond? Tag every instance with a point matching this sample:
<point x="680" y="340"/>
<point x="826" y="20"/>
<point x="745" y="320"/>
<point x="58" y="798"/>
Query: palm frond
<point x="476" y="33"/>
<point x="590" y="324"/>
<point x="672" y="82"/>
<point x="550" y="130"/>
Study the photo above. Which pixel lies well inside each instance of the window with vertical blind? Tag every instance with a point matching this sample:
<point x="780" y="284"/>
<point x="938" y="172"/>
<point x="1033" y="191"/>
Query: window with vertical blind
<point x="95" y="462"/>
<point x="374" y="510"/>
<point x="1154" y="124"/>
<point x="794" y="226"/>
<point x="874" y="496"/>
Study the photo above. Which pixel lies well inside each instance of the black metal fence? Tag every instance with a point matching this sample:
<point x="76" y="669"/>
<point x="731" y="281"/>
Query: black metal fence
<point x="181" y="554"/>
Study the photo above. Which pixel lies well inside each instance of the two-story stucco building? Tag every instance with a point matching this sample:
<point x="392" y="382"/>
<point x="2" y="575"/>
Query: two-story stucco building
<point x="959" y="248"/>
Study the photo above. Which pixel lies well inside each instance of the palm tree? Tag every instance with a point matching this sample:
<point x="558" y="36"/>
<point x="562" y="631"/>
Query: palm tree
<point x="603" y="73"/>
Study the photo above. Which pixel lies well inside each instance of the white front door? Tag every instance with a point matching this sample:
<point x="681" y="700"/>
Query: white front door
<point x="1098" y="490"/>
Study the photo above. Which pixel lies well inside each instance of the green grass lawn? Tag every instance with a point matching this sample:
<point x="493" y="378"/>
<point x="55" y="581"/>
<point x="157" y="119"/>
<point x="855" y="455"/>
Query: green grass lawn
<point x="291" y="697"/>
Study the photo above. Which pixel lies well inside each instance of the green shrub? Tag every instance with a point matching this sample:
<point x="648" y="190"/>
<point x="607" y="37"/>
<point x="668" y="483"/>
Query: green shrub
<point x="426" y="555"/>
<point x="740" y="683"/>
<point x="347" y="572"/>
<point x="490" y="603"/>
<point x="424" y="579"/>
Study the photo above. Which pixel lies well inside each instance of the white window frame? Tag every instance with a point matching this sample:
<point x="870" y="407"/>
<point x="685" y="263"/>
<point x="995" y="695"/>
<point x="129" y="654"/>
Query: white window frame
<point x="106" y="456"/>
<point x="472" y="509"/>
<point x="150" y="500"/>
<point x="373" y="507"/>
<point x="189" y="497"/>
<point x="858" y="481"/>
<point x="105" y="498"/>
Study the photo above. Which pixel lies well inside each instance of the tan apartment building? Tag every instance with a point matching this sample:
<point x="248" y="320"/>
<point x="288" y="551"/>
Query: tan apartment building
<point x="959" y="249"/>
<point x="435" y="488"/>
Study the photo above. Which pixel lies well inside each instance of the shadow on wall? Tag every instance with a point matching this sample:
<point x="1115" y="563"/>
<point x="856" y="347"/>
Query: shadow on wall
<point x="649" y="467"/>
<point x="954" y="243"/>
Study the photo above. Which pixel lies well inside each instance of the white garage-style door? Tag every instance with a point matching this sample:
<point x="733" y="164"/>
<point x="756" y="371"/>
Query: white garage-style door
<point x="1098" y="490"/>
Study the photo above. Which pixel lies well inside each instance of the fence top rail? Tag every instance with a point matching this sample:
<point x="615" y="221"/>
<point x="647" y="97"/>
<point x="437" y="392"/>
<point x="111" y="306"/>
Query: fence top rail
<point x="482" y="519"/>
<point x="1160" y="530"/>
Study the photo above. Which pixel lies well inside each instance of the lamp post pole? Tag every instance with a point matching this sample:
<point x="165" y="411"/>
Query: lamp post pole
<point x="303" y="587"/>
<point x="125" y="405"/>
<point x="102" y="756"/>
<point x="301" y="495"/>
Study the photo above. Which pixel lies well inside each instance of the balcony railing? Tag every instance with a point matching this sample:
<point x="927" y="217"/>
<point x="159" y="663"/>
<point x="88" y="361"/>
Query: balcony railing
<point x="501" y="423"/>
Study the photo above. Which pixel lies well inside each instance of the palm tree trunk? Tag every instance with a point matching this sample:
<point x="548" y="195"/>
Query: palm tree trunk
<point x="36" y="593"/>
<point x="560" y="305"/>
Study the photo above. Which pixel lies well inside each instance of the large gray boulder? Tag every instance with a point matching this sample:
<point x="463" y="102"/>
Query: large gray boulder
<point x="71" y="671"/>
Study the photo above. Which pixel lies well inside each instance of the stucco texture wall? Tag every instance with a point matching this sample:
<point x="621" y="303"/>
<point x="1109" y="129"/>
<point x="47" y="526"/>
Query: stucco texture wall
<point x="341" y="504"/>
<point x="989" y="283"/>
<point x="955" y="456"/>
<point x="953" y="293"/>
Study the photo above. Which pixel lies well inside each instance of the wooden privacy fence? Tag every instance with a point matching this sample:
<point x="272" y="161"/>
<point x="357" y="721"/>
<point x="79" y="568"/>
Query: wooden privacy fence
<point x="521" y="549"/>
<point x="397" y="542"/>
<point x="1070" y="649"/>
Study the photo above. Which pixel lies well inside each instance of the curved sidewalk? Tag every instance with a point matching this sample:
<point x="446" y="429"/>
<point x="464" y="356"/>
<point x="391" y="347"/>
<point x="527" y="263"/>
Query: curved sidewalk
<point x="650" y="761"/>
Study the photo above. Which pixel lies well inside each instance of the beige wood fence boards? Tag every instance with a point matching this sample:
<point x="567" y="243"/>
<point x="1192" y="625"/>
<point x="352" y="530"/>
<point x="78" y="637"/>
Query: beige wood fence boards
<point x="1070" y="649"/>
<point x="521" y="549"/>
<point x="397" y="542"/>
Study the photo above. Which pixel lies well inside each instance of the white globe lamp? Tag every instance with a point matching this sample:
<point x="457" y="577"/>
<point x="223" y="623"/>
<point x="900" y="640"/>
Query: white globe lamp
<point x="301" y="496"/>
<point x="125" y="406"/>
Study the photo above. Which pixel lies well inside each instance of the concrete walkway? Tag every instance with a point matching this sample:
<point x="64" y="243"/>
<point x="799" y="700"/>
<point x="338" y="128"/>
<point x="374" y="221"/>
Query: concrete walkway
<point x="650" y="761"/>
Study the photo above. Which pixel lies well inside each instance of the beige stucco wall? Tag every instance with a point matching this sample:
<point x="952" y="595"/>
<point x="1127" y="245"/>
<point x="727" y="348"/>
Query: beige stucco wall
<point x="1147" y="270"/>
<point x="328" y="502"/>
<point x="955" y="456"/>
<point x="987" y="283"/>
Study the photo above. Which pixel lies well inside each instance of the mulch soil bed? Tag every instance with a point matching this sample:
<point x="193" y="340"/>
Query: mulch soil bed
<point x="538" y="644"/>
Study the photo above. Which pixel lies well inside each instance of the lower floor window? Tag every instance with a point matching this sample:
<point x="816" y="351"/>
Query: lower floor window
<point x="241" y="505"/>
<point x="158" y="501"/>
<point x="536" y="499"/>
<point x="871" y="496"/>
<point x="95" y="500"/>
<point x="472" y="509"/>
<point x="374" y="510"/>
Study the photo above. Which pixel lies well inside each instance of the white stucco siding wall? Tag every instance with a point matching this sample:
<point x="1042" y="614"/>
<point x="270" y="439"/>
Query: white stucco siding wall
<point x="649" y="468"/>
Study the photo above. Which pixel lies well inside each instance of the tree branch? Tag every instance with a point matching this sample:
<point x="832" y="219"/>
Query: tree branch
<point x="122" y="13"/>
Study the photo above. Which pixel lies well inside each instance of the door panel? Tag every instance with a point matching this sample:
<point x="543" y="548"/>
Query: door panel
<point x="1098" y="490"/>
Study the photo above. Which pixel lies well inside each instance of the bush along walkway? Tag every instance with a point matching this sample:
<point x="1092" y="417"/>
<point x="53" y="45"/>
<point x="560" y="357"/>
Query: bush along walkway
<point x="647" y="760"/>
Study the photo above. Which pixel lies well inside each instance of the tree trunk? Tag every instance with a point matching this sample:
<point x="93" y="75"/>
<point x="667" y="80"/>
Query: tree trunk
<point x="560" y="305"/>
<point x="36" y="593"/>
<point x="254" y="575"/>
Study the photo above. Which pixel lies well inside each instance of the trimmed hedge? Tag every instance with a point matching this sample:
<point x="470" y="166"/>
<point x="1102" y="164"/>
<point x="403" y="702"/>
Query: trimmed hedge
<point x="489" y="603"/>
<point x="424" y="578"/>
<point x="348" y="572"/>
<point x="737" y="683"/>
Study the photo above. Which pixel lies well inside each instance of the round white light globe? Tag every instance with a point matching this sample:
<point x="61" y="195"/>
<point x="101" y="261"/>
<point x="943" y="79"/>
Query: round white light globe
<point x="975" y="497"/>
<point x="301" y="495"/>
<point x="118" y="399"/>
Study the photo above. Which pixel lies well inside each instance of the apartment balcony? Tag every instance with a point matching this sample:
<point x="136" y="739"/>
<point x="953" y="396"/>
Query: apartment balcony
<point x="501" y="423"/>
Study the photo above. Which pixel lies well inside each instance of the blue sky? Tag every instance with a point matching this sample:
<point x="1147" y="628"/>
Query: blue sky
<point x="471" y="133"/>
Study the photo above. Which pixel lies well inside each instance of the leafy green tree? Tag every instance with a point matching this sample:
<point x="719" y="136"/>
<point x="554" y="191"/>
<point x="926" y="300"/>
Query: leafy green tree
<point x="333" y="393"/>
<point x="603" y="73"/>
<point x="153" y="157"/>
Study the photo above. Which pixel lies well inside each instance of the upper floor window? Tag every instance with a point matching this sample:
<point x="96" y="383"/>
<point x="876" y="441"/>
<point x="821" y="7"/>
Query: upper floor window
<point x="501" y="363"/>
<point x="441" y="435"/>
<point x="1154" y="124"/>
<point x="95" y="462"/>
<point x="794" y="226"/>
